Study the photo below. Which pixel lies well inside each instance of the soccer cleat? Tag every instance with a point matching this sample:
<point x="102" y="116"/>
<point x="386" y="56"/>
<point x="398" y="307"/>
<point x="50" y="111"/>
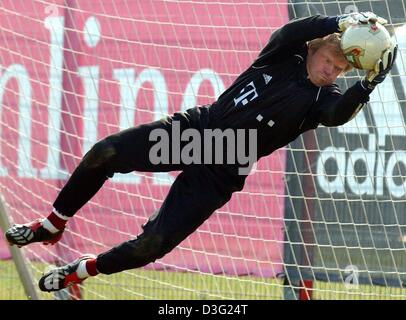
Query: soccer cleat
<point x="23" y="234"/>
<point x="62" y="277"/>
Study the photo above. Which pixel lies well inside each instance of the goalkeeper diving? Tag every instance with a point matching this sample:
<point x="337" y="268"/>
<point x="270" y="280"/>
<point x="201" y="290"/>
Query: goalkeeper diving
<point x="288" y="89"/>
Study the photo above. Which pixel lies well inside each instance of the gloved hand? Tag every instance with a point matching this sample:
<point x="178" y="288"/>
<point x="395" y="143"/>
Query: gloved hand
<point x="382" y="68"/>
<point x="354" y="18"/>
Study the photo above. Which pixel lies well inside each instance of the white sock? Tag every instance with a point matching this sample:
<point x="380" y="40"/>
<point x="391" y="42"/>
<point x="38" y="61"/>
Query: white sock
<point x="49" y="226"/>
<point x="82" y="271"/>
<point x="58" y="218"/>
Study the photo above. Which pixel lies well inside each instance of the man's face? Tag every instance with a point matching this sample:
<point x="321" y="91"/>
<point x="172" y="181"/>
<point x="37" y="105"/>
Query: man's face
<point x="324" y="66"/>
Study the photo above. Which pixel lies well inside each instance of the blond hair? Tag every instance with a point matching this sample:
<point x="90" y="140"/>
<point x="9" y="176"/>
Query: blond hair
<point x="334" y="42"/>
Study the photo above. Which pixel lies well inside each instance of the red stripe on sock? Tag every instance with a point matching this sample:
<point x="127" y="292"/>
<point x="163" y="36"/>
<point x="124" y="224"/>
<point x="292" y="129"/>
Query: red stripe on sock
<point x="56" y="221"/>
<point x="91" y="267"/>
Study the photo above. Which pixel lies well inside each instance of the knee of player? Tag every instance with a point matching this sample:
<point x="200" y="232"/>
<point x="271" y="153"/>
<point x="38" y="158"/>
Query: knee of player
<point x="101" y="153"/>
<point x="151" y="246"/>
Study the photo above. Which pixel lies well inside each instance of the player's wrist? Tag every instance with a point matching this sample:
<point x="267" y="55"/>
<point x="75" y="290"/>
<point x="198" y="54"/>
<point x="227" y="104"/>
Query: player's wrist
<point x="366" y="86"/>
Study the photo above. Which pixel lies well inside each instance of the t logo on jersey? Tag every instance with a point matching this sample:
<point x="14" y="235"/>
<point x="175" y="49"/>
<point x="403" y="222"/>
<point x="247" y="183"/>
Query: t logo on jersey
<point x="247" y="94"/>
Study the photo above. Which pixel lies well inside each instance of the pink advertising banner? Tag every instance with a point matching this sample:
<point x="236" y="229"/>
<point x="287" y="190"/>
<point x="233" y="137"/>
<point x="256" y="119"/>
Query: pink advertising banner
<point x="72" y="72"/>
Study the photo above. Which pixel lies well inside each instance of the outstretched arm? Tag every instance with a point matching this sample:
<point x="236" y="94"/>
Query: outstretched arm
<point x="292" y="36"/>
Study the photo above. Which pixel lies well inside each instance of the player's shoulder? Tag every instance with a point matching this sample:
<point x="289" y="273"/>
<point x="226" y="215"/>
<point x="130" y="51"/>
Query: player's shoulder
<point x="302" y="51"/>
<point x="299" y="55"/>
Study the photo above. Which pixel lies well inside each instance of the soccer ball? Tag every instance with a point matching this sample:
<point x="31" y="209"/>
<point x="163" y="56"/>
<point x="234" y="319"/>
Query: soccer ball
<point x="364" y="44"/>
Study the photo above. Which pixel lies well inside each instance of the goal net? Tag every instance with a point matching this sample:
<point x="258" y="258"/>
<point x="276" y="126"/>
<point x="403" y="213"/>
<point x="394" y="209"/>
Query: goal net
<point x="322" y="214"/>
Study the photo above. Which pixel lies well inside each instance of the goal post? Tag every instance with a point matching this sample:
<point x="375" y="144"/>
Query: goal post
<point x="321" y="218"/>
<point x="22" y="265"/>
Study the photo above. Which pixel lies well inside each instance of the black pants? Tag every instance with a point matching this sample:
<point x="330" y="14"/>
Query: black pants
<point x="195" y="194"/>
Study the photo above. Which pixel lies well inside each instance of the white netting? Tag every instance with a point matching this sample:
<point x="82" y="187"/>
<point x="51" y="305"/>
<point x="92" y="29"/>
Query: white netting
<point x="72" y="72"/>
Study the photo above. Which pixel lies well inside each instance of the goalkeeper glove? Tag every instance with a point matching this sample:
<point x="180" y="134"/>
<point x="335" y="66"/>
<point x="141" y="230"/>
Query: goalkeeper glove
<point x="382" y="68"/>
<point x="354" y="18"/>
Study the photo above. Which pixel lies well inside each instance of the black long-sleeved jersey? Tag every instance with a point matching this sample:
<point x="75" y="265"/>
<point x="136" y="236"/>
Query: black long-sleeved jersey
<point x="275" y="96"/>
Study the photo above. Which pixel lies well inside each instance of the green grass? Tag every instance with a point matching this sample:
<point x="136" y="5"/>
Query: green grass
<point x="147" y="284"/>
<point x="143" y="284"/>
